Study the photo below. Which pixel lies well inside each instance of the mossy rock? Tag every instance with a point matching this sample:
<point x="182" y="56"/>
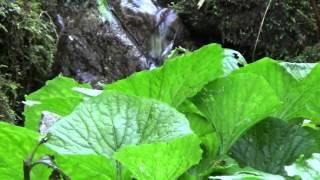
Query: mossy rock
<point x="289" y="25"/>
<point x="28" y="44"/>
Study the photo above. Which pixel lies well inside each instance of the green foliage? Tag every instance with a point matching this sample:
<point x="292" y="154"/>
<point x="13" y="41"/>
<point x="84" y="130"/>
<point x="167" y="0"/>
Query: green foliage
<point x="305" y="168"/>
<point x="272" y="144"/>
<point x="289" y="25"/>
<point x="27" y="41"/>
<point x="231" y="109"/>
<point x="161" y="160"/>
<point x="178" y="79"/>
<point x="298" y="96"/>
<point x="7" y="88"/>
<point x="309" y="54"/>
<point x="87" y="167"/>
<point x="185" y="119"/>
<point x="52" y="98"/>
<point x="17" y="144"/>
<point x="250" y="174"/>
<point x="113" y="120"/>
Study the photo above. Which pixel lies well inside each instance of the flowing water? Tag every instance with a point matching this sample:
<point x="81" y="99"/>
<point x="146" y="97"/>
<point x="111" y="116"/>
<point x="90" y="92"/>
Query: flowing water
<point x="101" y="42"/>
<point x="154" y="29"/>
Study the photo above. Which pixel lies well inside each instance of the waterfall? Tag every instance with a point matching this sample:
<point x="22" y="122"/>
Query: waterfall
<point x="153" y="28"/>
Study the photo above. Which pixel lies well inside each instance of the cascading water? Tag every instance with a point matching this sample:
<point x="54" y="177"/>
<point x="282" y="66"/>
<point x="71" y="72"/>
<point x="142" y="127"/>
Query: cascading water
<point x="154" y="29"/>
<point x="162" y="40"/>
<point x="103" y="41"/>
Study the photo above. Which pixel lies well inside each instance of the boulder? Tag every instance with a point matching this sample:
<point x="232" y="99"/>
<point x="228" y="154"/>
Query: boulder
<point x="105" y="42"/>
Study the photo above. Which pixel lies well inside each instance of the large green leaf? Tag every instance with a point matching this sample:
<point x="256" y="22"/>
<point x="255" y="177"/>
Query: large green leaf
<point x="312" y="104"/>
<point x="199" y="125"/>
<point x="277" y="76"/>
<point x="296" y="88"/>
<point x="112" y="120"/>
<point x="307" y="169"/>
<point x="209" y="139"/>
<point x="87" y="167"/>
<point x="16" y="145"/>
<point x="272" y="144"/>
<point x="235" y="103"/>
<point x="161" y="160"/>
<point x="226" y="168"/>
<point x="177" y="79"/>
<point x="210" y="146"/>
<point x="298" y="70"/>
<point x="188" y="107"/>
<point x="58" y="96"/>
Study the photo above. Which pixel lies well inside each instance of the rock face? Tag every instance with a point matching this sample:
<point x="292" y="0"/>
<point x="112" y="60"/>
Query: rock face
<point x="104" y="43"/>
<point x="289" y="25"/>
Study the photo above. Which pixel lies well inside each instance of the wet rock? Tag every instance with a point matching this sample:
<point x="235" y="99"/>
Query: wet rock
<point x="134" y="36"/>
<point x="92" y="50"/>
<point x="289" y="25"/>
<point x="155" y="30"/>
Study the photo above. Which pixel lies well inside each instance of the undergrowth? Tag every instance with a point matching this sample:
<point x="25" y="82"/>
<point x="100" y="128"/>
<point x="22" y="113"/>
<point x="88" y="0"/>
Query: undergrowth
<point x="28" y="43"/>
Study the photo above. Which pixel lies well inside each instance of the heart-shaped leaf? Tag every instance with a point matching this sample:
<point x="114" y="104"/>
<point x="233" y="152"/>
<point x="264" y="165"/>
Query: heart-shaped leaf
<point x="235" y="103"/>
<point x="161" y="160"/>
<point x="177" y="79"/>
<point x="112" y="120"/>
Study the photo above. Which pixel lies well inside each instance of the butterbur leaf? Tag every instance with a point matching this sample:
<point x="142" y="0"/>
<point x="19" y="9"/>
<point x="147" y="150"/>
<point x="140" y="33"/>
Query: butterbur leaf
<point x="57" y="96"/>
<point x="272" y="144"/>
<point x="112" y="120"/>
<point x="235" y="103"/>
<point x="298" y="70"/>
<point x="301" y="100"/>
<point x="188" y="107"/>
<point x="177" y="79"/>
<point x="209" y="142"/>
<point x="199" y="125"/>
<point x="160" y="161"/>
<point x="225" y="167"/>
<point x="312" y="104"/>
<point x="16" y="145"/>
<point x="306" y="168"/>
<point x="210" y="145"/>
<point x="277" y="76"/>
<point x="87" y="167"/>
<point x="296" y="88"/>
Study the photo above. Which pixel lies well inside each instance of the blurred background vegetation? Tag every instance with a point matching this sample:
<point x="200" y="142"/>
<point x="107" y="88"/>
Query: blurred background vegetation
<point x="28" y="44"/>
<point x="290" y="26"/>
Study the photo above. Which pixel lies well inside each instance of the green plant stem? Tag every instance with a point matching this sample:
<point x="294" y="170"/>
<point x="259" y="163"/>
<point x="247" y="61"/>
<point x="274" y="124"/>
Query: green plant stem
<point x="260" y="29"/>
<point x="52" y="166"/>
<point x="26" y="170"/>
<point x="27" y="164"/>
<point x="119" y="170"/>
